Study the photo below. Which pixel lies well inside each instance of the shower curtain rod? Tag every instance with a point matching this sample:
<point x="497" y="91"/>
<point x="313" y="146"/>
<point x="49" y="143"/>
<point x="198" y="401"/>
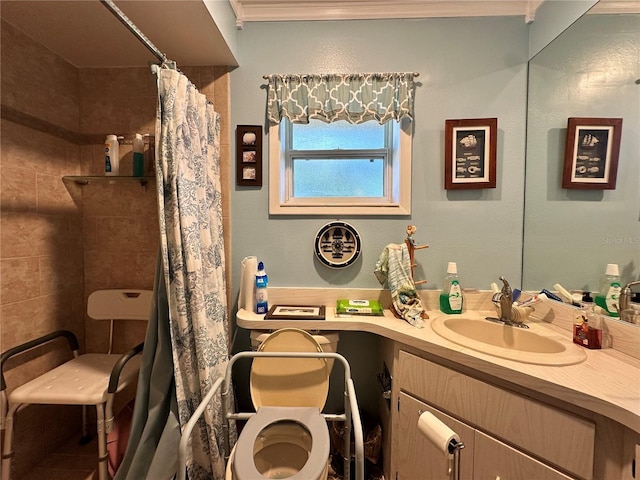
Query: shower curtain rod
<point x="266" y="77"/>
<point x="119" y="14"/>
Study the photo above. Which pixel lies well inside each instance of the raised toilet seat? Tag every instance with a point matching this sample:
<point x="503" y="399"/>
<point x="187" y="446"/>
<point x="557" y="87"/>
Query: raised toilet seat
<point x="307" y="419"/>
<point x="287" y="437"/>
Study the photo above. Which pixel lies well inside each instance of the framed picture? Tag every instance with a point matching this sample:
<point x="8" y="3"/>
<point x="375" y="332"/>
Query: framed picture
<point x="470" y="153"/>
<point x="295" y="312"/>
<point x="591" y="153"/>
<point x="249" y="155"/>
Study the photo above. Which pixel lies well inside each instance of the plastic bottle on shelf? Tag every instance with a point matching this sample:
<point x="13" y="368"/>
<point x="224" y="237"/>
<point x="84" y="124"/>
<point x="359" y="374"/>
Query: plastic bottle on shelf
<point x="609" y="294"/>
<point x="451" y="299"/>
<point x="111" y="155"/>
<point x="262" y="297"/>
<point x="138" y="156"/>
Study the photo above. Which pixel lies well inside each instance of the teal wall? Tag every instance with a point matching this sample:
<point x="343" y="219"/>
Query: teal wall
<point x="552" y="18"/>
<point x="225" y="20"/>
<point x="469" y="68"/>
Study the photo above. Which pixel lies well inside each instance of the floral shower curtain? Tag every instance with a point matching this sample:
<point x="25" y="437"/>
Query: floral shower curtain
<point x="189" y="324"/>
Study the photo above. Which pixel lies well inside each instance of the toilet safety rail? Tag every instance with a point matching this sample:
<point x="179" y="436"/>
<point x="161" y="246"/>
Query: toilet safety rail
<point x="350" y="417"/>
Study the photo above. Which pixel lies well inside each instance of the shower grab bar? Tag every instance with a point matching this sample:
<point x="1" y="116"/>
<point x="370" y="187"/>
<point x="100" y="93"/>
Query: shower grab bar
<point x="351" y="415"/>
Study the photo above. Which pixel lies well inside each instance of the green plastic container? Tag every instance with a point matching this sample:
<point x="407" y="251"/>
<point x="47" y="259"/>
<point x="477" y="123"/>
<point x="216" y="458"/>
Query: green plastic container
<point x="359" y="307"/>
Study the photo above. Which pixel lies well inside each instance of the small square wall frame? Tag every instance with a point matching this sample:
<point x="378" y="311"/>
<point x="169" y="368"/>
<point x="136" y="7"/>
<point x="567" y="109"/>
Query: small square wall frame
<point x="249" y="155"/>
<point x="470" y="153"/>
<point x="591" y="153"/>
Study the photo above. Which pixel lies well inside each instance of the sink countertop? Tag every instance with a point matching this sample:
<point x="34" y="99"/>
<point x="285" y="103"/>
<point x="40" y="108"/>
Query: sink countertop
<point x="606" y="383"/>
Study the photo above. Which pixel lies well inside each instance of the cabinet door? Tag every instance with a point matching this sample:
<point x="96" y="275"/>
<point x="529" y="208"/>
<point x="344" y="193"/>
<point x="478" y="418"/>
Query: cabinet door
<point x="417" y="457"/>
<point x="496" y="461"/>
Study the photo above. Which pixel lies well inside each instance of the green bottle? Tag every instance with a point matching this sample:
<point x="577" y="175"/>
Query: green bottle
<point x="609" y="295"/>
<point x="138" y="156"/>
<point x="451" y="298"/>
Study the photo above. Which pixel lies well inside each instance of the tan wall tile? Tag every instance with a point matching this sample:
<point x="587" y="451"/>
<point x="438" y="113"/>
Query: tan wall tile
<point x="193" y="74"/>
<point x="222" y="102"/>
<point x="19" y="279"/>
<point x="61" y="275"/>
<point x="126" y="335"/>
<point x="119" y="270"/>
<point x="123" y="234"/>
<point x="225" y="179"/>
<point x="119" y="101"/>
<point x="92" y="159"/>
<point x="23" y="235"/>
<point x="121" y="199"/>
<point x="31" y="318"/>
<point x="41" y="266"/>
<point x="33" y="76"/>
<point x="53" y="197"/>
<point x="29" y="149"/>
<point x="89" y="232"/>
<point x="207" y="85"/>
<point x="17" y="190"/>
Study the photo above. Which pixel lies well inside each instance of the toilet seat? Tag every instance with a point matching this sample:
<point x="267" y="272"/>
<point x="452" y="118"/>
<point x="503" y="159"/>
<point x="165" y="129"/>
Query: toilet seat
<point x="290" y="382"/>
<point x="307" y="417"/>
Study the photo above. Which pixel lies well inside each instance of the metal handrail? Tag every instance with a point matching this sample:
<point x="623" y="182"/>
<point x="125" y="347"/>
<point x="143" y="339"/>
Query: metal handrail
<point x="188" y="428"/>
<point x="70" y="336"/>
<point x="351" y="416"/>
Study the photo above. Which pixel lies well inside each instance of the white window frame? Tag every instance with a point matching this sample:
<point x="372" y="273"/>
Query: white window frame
<point x="396" y="202"/>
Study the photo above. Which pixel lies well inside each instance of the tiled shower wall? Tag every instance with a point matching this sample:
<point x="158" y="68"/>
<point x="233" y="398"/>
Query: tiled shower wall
<point x="41" y="264"/>
<point x="59" y="240"/>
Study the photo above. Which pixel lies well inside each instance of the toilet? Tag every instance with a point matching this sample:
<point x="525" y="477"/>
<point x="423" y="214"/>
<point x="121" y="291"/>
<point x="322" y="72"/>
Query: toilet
<point x="288" y="437"/>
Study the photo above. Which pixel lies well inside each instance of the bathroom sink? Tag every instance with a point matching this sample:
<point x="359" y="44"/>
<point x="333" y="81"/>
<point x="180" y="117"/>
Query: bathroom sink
<point x="522" y="345"/>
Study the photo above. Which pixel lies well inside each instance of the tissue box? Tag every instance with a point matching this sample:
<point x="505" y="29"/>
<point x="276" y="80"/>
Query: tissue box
<point x="359" y="307"/>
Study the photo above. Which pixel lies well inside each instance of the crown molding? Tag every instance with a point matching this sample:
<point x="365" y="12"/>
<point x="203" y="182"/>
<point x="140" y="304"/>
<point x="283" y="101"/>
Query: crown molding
<point x="297" y="10"/>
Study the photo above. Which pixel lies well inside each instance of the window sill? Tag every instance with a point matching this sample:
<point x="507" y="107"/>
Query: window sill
<point x="339" y="210"/>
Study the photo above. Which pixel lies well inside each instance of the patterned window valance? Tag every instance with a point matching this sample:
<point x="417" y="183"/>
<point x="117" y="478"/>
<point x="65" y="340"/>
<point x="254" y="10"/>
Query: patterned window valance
<point x="354" y="97"/>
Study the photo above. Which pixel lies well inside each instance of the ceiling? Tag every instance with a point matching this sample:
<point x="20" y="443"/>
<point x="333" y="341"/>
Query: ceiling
<point x="87" y="34"/>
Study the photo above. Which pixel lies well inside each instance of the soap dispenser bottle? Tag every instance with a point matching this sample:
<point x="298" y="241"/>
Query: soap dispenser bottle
<point x="609" y="294"/>
<point x="451" y="296"/>
<point x="262" y="299"/>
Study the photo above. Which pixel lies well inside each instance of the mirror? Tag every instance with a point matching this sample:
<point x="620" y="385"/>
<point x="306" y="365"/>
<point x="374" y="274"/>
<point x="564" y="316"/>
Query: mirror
<point x="591" y="70"/>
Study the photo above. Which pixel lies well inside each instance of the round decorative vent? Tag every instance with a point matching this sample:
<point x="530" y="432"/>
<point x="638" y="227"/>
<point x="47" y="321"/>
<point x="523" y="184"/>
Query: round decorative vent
<point x="337" y="245"/>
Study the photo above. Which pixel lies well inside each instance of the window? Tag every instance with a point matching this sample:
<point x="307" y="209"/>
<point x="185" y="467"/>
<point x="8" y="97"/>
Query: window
<point x="337" y="168"/>
<point x="340" y="143"/>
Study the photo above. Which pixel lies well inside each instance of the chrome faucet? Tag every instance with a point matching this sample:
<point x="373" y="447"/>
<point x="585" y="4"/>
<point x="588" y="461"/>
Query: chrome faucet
<point x="625" y="296"/>
<point x="506" y="302"/>
<point x="504" y="298"/>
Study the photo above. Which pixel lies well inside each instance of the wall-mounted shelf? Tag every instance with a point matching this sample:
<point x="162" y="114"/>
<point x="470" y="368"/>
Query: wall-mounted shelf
<point x="104" y="179"/>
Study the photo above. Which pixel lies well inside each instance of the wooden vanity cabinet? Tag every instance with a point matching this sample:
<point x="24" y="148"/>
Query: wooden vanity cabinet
<point x="506" y="435"/>
<point x="482" y="457"/>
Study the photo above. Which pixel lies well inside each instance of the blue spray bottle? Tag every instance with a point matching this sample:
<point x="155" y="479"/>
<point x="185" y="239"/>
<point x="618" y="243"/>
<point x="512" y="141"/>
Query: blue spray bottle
<point x="262" y="298"/>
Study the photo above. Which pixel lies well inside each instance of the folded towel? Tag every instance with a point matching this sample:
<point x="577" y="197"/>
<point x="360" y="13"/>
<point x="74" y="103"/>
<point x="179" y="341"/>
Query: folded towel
<point x="394" y="269"/>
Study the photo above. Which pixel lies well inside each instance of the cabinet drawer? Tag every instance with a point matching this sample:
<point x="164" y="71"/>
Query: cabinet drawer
<point x="532" y="426"/>
<point x="417" y="457"/>
<point x="495" y="460"/>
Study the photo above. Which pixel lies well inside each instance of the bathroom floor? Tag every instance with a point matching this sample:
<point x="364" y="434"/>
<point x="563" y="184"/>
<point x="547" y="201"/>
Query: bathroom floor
<point x="70" y="462"/>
